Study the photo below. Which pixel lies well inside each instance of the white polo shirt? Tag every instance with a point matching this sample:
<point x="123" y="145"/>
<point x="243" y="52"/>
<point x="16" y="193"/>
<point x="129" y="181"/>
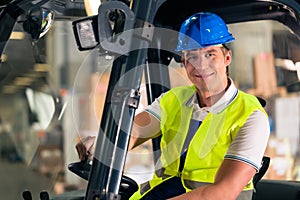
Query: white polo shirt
<point x="250" y="142"/>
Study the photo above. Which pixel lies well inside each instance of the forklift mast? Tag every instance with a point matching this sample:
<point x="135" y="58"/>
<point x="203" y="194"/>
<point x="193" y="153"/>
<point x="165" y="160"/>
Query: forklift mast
<point x="130" y="44"/>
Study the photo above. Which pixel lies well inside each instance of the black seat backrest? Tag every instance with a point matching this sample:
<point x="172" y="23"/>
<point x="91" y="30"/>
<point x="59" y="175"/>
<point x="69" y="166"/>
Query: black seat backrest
<point x="263" y="169"/>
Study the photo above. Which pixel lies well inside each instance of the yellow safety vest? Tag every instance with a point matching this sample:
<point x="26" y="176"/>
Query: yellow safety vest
<point x="208" y="146"/>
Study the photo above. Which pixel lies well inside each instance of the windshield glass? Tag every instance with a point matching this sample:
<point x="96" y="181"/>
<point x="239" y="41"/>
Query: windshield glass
<point x="52" y="94"/>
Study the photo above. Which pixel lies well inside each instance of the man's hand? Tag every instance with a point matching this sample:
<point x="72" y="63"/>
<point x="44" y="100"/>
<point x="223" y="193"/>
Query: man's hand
<point x="145" y="126"/>
<point x="85" y="147"/>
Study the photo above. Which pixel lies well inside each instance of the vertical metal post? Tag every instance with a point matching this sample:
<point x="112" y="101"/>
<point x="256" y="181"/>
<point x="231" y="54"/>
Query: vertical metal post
<point x="118" y="114"/>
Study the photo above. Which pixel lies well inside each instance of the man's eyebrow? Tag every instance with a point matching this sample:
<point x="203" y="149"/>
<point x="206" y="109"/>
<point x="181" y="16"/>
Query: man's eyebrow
<point x="211" y="50"/>
<point x="189" y="53"/>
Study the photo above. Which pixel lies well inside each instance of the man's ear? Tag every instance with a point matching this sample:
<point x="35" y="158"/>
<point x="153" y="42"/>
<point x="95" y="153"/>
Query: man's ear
<point x="228" y="58"/>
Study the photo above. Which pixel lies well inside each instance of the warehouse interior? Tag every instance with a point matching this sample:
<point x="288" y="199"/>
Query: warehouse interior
<point x="49" y="100"/>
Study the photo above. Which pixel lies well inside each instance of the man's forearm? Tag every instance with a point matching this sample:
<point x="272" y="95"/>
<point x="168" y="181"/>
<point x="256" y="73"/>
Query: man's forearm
<point x="207" y="192"/>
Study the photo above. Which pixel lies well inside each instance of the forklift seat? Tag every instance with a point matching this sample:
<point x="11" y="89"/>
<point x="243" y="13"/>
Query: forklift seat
<point x="258" y="176"/>
<point x="263" y="169"/>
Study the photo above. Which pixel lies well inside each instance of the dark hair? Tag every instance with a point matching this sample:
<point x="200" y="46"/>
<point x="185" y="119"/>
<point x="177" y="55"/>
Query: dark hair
<point x="226" y="49"/>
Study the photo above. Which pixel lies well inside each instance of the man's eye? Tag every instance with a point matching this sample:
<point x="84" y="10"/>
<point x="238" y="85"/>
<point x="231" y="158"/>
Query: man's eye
<point x="208" y="55"/>
<point x="190" y="58"/>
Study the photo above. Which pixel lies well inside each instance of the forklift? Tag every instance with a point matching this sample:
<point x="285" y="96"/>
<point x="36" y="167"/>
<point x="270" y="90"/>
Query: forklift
<point x="141" y="35"/>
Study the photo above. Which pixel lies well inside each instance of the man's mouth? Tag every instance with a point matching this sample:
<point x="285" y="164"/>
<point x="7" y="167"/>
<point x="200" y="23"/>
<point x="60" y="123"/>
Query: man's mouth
<point x="203" y="76"/>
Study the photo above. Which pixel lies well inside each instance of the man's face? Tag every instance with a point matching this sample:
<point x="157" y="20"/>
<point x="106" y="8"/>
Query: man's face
<point x="206" y="68"/>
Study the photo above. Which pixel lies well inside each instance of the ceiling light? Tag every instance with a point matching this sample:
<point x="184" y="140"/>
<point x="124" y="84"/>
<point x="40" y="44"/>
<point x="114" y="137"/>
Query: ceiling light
<point x="23" y="81"/>
<point x="9" y="89"/>
<point x="17" y="35"/>
<point x="39" y="67"/>
<point x="3" y="58"/>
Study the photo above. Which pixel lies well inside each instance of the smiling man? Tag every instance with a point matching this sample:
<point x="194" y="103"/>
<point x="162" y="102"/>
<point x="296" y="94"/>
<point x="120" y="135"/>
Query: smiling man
<point x="205" y="68"/>
<point x="213" y="135"/>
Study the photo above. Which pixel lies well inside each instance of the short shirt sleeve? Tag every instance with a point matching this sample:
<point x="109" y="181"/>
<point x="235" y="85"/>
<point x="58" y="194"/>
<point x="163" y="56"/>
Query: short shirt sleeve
<point x="154" y="108"/>
<point x="250" y="143"/>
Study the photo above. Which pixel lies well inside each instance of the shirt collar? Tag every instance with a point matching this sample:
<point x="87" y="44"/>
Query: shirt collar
<point x="221" y="104"/>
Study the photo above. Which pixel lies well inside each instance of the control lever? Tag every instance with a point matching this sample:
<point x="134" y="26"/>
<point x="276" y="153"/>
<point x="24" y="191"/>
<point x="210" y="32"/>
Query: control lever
<point x="44" y="195"/>
<point x="27" y="195"/>
<point x="82" y="169"/>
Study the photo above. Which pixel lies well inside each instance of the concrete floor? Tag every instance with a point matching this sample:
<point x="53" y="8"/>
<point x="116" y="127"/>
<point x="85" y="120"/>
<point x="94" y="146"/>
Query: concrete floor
<point x="16" y="177"/>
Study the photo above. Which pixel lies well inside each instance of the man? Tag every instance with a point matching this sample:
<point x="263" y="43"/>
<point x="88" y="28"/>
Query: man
<point x="213" y="135"/>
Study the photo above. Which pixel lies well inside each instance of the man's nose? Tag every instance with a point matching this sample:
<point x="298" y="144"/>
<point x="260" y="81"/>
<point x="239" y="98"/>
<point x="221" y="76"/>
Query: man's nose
<point x="200" y="63"/>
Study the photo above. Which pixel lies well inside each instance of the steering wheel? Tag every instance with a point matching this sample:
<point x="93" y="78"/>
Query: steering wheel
<point x="127" y="188"/>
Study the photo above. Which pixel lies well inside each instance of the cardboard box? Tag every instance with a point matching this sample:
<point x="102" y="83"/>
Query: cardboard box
<point x="265" y="83"/>
<point x="282" y="161"/>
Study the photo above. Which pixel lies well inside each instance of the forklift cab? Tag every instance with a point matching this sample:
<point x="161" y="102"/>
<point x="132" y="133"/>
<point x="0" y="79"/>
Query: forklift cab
<point x="140" y="39"/>
<point x="152" y="39"/>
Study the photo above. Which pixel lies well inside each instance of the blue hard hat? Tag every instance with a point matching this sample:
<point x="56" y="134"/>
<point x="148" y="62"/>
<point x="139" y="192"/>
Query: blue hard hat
<point x="201" y="30"/>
